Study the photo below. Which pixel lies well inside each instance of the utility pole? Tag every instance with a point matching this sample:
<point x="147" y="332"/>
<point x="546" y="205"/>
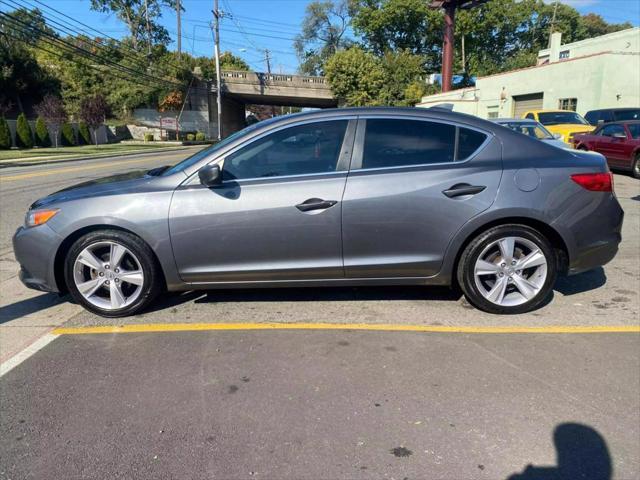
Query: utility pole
<point x="553" y="21"/>
<point x="178" y="8"/>
<point x="216" y="49"/>
<point x="146" y="14"/>
<point x="267" y="57"/>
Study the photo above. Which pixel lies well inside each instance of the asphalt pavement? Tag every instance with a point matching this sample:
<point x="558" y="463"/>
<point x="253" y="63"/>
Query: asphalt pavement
<point x="324" y="405"/>
<point x="318" y="403"/>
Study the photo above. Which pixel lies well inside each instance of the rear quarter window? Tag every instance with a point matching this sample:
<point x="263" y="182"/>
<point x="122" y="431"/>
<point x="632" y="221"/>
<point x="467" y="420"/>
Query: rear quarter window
<point x="468" y="142"/>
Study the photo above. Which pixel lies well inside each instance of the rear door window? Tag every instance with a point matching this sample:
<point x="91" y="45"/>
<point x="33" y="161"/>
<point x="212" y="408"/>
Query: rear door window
<point x="404" y="142"/>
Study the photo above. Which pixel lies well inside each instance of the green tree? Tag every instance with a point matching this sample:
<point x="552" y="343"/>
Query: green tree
<point x="24" y="136"/>
<point x="399" y="25"/>
<point x="401" y="69"/>
<point x="356" y="77"/>
<point x="323" y="33"/>
<point x="21" y="76"/>
<point x="84" y="136"/>
<point x="5" y="134"/>
<point x="594" y="26"/>
<point x="42" y="134"/>
<point x="68" y="138"/>
<point x="142" y="18"/>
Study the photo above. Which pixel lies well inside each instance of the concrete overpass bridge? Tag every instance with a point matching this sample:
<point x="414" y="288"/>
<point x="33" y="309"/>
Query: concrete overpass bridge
<point x="240" y="88"/>
<point x="277" y="89"/>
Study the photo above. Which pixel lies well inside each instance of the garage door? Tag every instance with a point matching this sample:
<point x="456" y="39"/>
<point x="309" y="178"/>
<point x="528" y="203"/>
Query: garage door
<point x="524" y="103"/>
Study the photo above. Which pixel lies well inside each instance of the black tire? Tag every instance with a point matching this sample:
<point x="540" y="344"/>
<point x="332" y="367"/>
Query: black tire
<point x="465" y="272"/>
<point x="152" y="283"/>
<point x="635" y="167"/>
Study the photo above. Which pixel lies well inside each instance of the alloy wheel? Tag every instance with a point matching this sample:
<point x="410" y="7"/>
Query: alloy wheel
<point x="510" y="271"/>
<point x="108" y="275"/>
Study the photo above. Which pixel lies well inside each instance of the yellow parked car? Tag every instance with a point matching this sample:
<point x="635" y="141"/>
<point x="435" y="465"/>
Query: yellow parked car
<point x="564" y="124"/>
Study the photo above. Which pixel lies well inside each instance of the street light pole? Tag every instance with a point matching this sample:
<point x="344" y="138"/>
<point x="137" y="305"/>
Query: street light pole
<point x="216" y="31"/>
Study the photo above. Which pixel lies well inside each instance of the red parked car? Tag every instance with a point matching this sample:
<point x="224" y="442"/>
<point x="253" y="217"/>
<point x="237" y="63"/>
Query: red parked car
<point x="618" y="141"/>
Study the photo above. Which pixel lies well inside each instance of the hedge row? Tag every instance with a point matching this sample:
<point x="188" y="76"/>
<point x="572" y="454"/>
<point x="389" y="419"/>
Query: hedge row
<point x="25" y="138"/>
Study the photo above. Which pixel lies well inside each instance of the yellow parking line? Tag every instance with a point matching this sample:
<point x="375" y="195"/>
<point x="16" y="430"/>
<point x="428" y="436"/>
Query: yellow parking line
<point x="188" y="327"/>
<point x="56" y="171"/>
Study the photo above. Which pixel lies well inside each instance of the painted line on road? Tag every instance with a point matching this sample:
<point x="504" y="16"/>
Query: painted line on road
<point x="20" y="357"/>
<point x="190" y="327"/>
<point x="22" y="176"/>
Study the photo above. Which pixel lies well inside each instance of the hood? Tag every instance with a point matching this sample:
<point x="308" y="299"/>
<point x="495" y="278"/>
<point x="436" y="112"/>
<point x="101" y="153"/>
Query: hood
<point x="565" y="128"/>
<point x="115" y="184"/>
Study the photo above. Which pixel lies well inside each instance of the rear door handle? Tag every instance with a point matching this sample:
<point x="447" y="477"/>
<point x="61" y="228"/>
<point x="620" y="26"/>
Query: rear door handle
<point x="461" y="189"/>
<point x="315" y="204"/>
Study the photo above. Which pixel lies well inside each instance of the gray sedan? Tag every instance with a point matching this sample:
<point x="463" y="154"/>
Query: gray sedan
<point x="335" y="197"/>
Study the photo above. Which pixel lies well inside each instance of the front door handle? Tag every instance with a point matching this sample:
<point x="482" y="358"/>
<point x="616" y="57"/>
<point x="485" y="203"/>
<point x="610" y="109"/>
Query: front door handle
<point x="315" y="204"/>
<point x="461" y="189"/>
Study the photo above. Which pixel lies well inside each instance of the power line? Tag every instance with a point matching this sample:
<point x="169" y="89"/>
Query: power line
<point x="70" y="48"/>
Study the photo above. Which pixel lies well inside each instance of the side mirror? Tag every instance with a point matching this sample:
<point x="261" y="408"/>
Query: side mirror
<point x="620" y="135"/>
<point x="557" y="136"/>
<point x="210" y="175"/>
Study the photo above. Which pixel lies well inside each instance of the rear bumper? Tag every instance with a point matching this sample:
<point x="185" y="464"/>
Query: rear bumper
<point x="598" y="238"/>
<point x="35" y="250"/>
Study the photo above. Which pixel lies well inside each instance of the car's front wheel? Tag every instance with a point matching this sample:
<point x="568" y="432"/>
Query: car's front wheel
<point x="112" y="273"/>
<point x="508" y="269"/>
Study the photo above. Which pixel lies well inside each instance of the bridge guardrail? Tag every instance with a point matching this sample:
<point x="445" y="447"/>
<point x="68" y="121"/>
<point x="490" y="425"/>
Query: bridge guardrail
<point x="244" y="77"/>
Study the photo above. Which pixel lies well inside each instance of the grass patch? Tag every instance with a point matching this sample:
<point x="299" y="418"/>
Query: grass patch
<point x="83" y="150"/>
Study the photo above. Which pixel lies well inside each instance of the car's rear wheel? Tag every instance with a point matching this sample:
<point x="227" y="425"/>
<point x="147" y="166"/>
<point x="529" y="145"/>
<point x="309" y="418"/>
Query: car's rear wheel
<point x="508" y="269"/>
<point x="112" y="273"/>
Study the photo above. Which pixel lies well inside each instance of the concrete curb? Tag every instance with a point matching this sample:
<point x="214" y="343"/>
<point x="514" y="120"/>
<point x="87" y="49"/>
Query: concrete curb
<point x="30" y="163"/>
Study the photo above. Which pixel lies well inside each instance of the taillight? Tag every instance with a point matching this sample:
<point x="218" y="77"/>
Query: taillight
<point x="595" y="182"/>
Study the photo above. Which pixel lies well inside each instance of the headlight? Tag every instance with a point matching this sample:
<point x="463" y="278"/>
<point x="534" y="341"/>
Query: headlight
<point x="38" y="217"/>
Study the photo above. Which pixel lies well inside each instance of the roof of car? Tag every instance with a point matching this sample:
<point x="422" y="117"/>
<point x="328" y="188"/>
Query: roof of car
<point x="440" y="113"/>
<point x="615" y="109"/>
<point x="619" y="122"/>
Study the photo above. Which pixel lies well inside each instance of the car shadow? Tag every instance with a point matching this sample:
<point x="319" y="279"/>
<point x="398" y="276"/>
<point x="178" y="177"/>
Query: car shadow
<point x="30" y="305"/>
<point x="582" y="282"/>
<point x="582" y="453"/>
<point x="308" y="294"/>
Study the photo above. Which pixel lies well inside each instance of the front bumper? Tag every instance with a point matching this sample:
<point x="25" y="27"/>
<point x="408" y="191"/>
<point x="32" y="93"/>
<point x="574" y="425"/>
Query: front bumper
<point x="35" y="249"/>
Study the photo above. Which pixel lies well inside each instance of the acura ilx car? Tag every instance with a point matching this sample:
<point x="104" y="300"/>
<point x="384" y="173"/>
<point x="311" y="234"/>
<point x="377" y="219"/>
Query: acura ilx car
<point x="366" y="196"/>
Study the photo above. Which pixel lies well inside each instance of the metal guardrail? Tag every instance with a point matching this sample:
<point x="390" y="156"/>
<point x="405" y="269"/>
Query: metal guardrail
<point x="243" y="77"/>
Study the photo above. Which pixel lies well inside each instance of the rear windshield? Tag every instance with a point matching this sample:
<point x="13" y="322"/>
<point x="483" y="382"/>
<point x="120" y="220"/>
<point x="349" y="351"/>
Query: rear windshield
<point x="558" y="118"/>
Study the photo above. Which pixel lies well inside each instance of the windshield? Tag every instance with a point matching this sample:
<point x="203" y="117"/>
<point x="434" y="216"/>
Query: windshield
<point x="195" y="158"/>
<point x="634" y="129"/>
<point x="627" y="114"/>
<point x="531" y="129"/>
<point x="558" y="118"/>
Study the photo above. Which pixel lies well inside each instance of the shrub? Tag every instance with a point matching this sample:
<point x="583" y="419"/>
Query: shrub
<point x="148" y="137"/>
<point x="84" y="136"/>
<point x="190" y="137"/>
<point x="24" y="136"/>
<point x="200" y="137"/>
<point x="68" y="137"/>
<point x="42" y="133"/>
<point x="5" y="134"/>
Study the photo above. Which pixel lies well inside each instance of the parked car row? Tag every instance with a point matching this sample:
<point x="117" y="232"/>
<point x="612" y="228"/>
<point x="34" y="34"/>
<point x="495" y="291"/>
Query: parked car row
<point x="617" y="136"/>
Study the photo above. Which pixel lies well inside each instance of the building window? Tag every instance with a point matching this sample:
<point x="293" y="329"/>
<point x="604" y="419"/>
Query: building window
<point x="493" y="111"/>
<point x="568" y="104"/>
<point x="564" y="54"/>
